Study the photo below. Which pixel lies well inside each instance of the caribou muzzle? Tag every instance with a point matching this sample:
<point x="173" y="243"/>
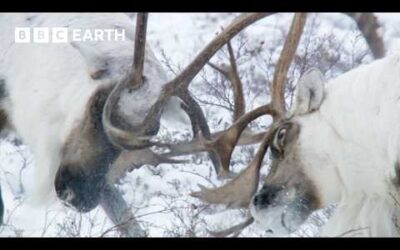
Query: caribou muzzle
<point x="80" y="190"/>
<point x="281" y="210"/>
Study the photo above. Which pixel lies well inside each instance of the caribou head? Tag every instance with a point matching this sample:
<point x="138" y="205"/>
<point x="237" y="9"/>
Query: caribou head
<point x="113" y="120"/>
<point x="289" y="193"/>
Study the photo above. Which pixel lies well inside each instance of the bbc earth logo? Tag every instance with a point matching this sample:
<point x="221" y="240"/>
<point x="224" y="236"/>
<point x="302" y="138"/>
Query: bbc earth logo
<point x="66" y="35"/>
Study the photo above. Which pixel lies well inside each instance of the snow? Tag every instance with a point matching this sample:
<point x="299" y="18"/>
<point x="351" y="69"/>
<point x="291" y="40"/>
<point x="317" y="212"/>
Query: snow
<point x="159" y="196"/>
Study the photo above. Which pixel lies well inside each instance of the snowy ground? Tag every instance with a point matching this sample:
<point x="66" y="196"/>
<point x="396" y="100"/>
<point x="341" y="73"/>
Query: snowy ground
<point x="159" y="196"/>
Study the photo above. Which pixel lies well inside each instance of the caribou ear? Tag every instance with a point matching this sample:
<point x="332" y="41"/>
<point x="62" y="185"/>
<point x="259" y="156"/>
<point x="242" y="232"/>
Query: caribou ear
<point x="96" y="63"/>
<point x="309" y="92"/>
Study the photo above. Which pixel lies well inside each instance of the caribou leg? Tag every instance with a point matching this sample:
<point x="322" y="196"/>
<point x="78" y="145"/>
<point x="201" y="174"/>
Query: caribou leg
<point x="119" y="212"/>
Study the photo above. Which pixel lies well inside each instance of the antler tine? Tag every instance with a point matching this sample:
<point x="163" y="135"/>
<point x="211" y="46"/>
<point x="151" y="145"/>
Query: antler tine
<point x="240" y="104"/>
<point x="197" y="145"/>
<point x="140" y="47"/>
<point x="232" y="75"/>
<point x="225" y="144"/>
<point x="199" y="121"/>
<point x="368" y="25"/>
<point x="129" y="160"/>
<point x="285" y="59"/>
<point x="235" y="230"/>
<point x="239" y="191"/>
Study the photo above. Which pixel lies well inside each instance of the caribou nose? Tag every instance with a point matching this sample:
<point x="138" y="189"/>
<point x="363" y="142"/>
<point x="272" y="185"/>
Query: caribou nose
<point x="260" y="200"/>
<point x="67" y="194"/>
<point x="64" y="193"/>
<point x="256" y="200"/>
<point x="266" y="196"/>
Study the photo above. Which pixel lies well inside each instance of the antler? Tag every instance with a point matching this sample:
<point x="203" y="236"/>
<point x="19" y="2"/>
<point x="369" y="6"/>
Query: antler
<point x="183" y="80"/>
<point x="130" y="160"/>
<point x="235" y="230"/>
<point x="232" y="75"/>
<point x="140" y="47"/>
<point x="199" y="121"/>
<point x="221" y="143"/>
<point x="136" y="137"/>
<point x="224" y="143"/>
<point x="238" y="193"/>
<point x="368" y="25"/>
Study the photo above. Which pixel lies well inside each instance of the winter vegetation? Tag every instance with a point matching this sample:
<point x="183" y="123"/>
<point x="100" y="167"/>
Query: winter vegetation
<point x="159" y="196"/>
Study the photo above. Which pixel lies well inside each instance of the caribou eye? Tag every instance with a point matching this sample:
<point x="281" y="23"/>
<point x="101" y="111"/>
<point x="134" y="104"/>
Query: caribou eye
<point x="280" y="136"/>
<point x="278" y="143"/>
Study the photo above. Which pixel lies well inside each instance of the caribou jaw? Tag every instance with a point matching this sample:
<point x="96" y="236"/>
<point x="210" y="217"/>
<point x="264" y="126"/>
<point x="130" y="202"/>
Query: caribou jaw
<point x="280" y="210"/>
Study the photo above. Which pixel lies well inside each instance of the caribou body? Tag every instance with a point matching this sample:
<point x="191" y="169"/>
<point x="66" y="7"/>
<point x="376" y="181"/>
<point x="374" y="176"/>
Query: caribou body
<point x="339" y="144"/>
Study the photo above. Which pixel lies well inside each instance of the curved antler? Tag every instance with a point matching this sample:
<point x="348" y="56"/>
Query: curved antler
<point x="136" y="138"/>
<point x="140" y="47"/>
<point x="239" y="191"/>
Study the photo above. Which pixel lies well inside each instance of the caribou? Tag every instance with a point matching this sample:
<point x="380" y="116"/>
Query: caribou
<point x="90" y="111"/>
